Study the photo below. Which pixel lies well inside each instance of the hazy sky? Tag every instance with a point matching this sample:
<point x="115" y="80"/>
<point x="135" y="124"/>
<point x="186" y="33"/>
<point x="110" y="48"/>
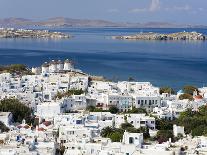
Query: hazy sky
<point x="179" y="11"/>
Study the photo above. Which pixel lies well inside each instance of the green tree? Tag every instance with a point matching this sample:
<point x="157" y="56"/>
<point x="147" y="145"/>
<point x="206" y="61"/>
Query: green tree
<point x="90" y="108"/>
<point x="116" y="136"/>
<point x="162" y="124"/>
<point x="186" y="96"/>
<point x="194" y="122"/>
<point x="124" y="126"/>
<point x="106" y="132"/>
<point x="167" y="89"/>
<point x="199" y="130"/>
<point x="164" y="135"/>
<point x="19" y="110"/>
<point x="113" y="109"/>
<point x="137" y="110"/>
<point x="189" y="89"/>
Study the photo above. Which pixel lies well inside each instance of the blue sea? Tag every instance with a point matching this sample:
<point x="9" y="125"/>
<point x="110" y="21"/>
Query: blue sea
<point x="164" y="63"/>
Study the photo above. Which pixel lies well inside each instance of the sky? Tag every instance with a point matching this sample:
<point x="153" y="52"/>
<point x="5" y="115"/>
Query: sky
<point x="173" y="11"/>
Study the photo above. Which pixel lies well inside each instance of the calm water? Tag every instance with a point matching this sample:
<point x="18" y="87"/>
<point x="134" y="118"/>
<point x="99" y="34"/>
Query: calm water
<point x="172" y="63"/>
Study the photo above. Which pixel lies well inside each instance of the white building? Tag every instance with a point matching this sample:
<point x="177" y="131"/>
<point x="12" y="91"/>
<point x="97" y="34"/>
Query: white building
<point x="137" y="120"/>
<point x="6" y="118"/>
<point x="178" y="130"/>
<point x="133" y="138"/>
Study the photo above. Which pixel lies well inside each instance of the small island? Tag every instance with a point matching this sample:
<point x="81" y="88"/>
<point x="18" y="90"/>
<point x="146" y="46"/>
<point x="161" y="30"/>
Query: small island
<point x="159" y="36"/>
<point x="26" y="33"/>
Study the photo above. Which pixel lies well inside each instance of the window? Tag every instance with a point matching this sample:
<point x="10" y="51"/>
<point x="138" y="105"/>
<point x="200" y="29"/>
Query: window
<point x="142" y="122"/>
<point x="131" y="140"/>
<point x="145" y="101"/>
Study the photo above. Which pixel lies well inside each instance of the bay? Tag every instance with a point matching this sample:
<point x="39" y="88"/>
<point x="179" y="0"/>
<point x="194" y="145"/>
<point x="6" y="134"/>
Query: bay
<point x="171" y="63"/>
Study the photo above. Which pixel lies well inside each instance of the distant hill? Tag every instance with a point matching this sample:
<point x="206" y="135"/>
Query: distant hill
<point x="69" y="22"/>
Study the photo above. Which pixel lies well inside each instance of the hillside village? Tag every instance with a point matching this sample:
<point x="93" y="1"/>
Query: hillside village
<point x="66" y="111"/>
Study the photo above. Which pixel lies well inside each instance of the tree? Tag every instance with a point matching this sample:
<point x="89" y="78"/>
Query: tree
<point x="113" y="109"/>
<point x="199" y="130"/>
<point x="124" y="126"/>
<point x="162" y="124"/>
<point x="90" y="108"/>
<point x="116" y="136"/>
<point x="189" y="89"/>
<point x="19" y="110"/>
<point x="137" y="110"/>
<point x="106" y="132"/>
<point x="132" y="130"/>
<point x="194" y="122"/>
<point x="167" y="89"/>
<point x="164" y="135"/>
<point x="186" y="96"/>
